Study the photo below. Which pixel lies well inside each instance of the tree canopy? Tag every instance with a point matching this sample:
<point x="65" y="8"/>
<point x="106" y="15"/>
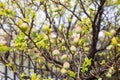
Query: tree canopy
<point x="61" y="39"/>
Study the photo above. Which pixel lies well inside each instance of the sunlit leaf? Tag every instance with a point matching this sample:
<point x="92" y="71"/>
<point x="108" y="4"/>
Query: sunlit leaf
<point x="114" y="41"/>
<point x="71" y="73"/>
